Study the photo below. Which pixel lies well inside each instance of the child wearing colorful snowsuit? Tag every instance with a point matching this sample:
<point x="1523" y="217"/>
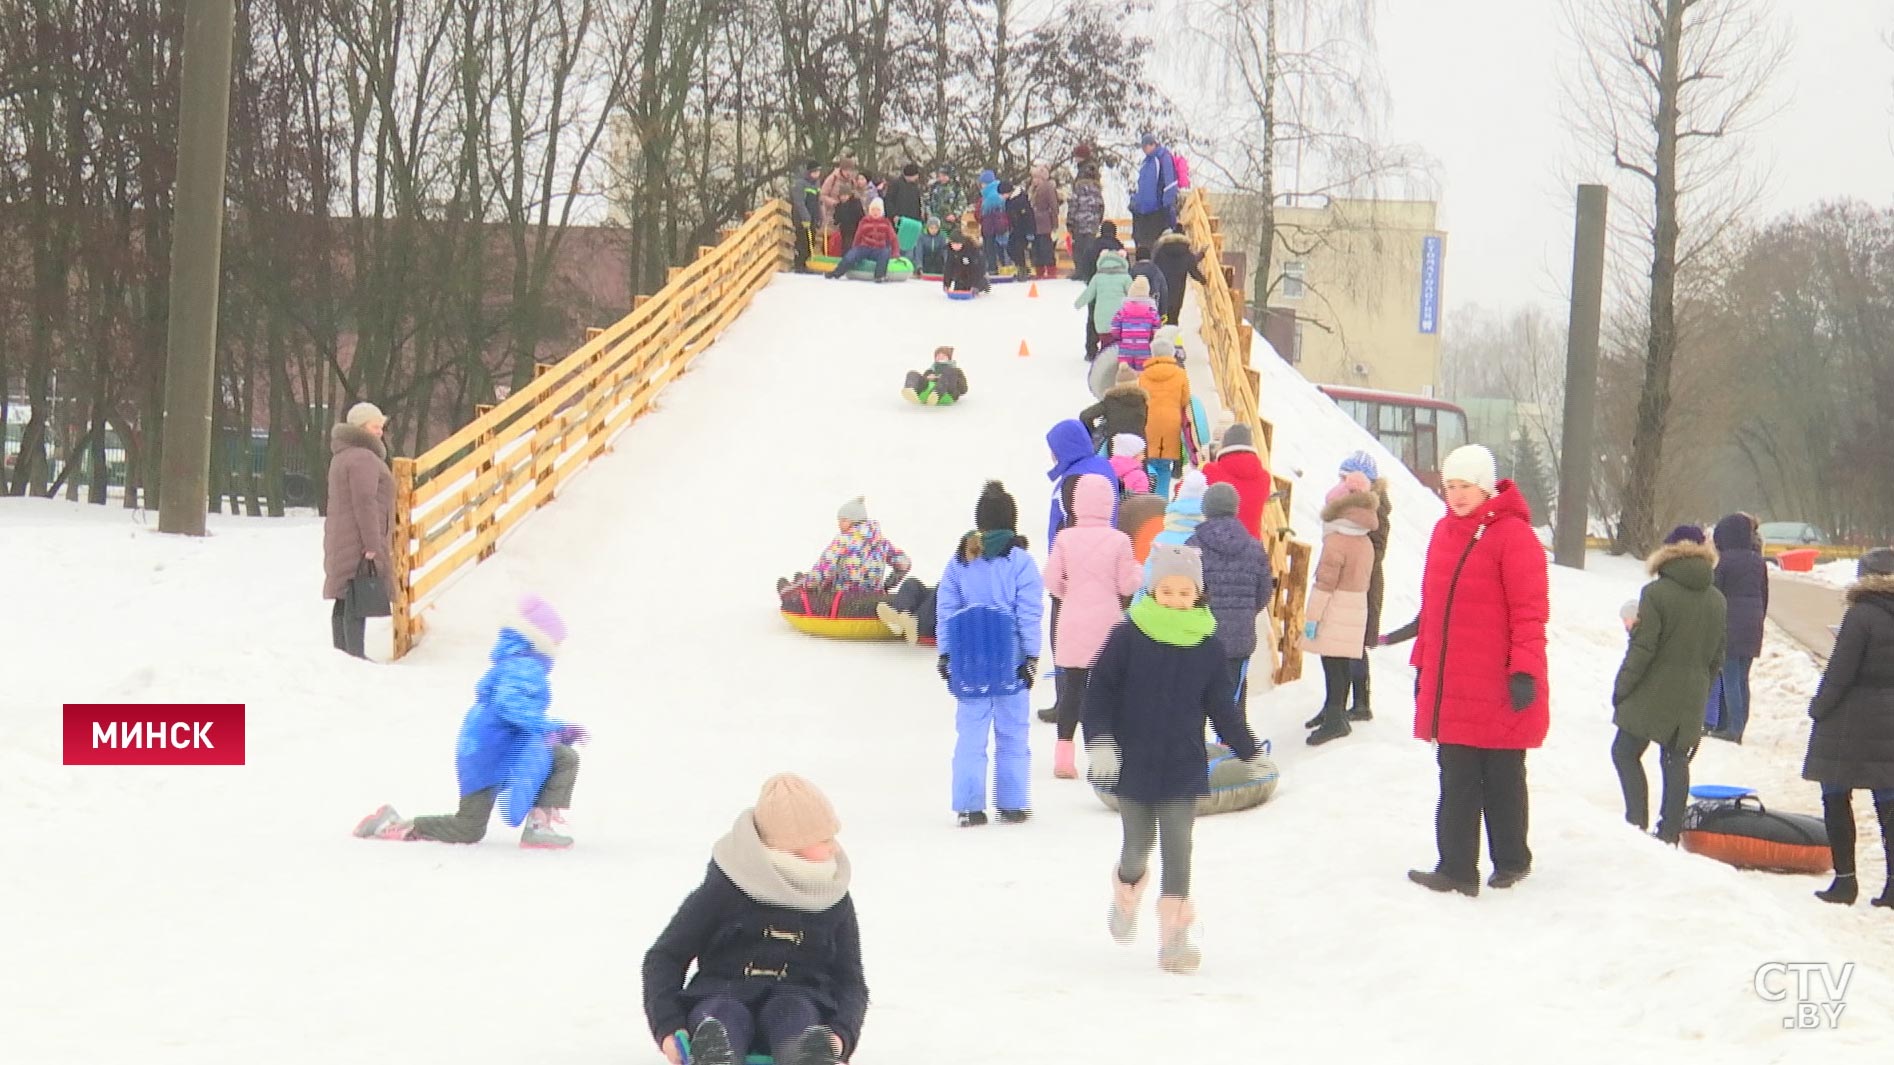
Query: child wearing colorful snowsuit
<point x="1045" y="209"/>
<point x="1237" y="580"/>
<point x="1159" y="676"/>
<point x="1167" y="387"/>
<point x="1019" y="216"/>
<point x="1127" y="461"/>
<point x="858" y="562"/>
<point x="1122" y="408"/>
<point x="773" y="935"/>
<point x="1238" y="466"/>
<point x="940" y="385"/>
<point x="1091" y="577"/>
<point x="1336" y="622"/>
<point x="1134" y="324"/>
<point x="988" y="636"/>
<point x="1104" y="294"/>
<point x="1083" y="219"/>
<point x="509" y="752"/>
<point x="1072" y="455"/>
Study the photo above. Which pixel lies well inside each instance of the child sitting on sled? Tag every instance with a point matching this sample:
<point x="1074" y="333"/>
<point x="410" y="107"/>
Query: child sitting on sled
<point x="940" y="385"/>
<point x="509" y="751"/>
<point x="855" y="570"/>
<point x="773" y="935"/>
<point x="964" y="269"/>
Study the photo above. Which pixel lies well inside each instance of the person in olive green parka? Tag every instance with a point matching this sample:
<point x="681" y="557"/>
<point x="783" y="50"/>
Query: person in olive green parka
<point x="1676" y="653"/>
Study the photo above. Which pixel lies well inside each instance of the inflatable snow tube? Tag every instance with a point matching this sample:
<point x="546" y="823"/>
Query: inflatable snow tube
<point x="898" y="270"/>
<point x="1739" y="831"/>
<point x="1233" y="785"/>
<point x="839" y="628"/>
<point x="822" y="611"/>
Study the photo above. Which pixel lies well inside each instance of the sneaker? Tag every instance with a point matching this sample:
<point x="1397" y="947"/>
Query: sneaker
<point x="384" y="823"/>
<point x="539" y="835"/>
<point x="710" y="1044"/>
<point x="973" y="820"/>
<point x="815" y="1046"/>
<point x="1014" y="817"/>
<point x="1436" y="881"/>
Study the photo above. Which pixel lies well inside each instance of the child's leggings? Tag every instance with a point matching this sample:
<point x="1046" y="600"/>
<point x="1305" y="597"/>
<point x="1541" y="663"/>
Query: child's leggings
<point x="783" y="1015"/>
<point x="1148" y="823"/>
<point x="1072" y="685"/>
<point x="469" y="823"/>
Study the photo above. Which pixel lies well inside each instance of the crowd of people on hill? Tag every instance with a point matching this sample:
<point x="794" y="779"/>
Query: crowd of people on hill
<point x="1157" y="574"/>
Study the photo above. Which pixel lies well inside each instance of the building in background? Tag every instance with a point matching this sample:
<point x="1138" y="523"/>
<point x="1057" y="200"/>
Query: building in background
<point x="1354" y="296"/>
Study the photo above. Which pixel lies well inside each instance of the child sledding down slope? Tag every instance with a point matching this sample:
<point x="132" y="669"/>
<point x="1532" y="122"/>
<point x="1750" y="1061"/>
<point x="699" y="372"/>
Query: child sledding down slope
<point x="773" y="934"/>
<point x="859" y="563"/>
<point x="965" y="267"/>
<point x="1159" y="675"/>
<point x="508" y="750"/>
<point x="940" y="385"/>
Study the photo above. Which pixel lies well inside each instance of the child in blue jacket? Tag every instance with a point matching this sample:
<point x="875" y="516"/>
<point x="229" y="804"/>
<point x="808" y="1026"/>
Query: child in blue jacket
<point x="509" y="751"/>
<point x="988" y="635"/>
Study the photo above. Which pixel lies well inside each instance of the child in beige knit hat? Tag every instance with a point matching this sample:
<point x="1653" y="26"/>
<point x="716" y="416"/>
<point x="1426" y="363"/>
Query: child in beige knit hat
<point x="773" y="935"/>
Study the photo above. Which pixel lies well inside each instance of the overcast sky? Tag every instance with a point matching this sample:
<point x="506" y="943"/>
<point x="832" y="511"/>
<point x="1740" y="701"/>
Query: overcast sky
<point x="1478" y="85"/>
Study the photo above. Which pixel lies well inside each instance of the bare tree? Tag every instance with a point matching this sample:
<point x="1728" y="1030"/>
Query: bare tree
<point x="1666" y="95"/>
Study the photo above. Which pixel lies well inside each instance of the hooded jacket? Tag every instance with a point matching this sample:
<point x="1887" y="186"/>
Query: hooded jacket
<point x="1125" y="408"/>
<point x="361" y="508"/>
<point x="1168" y="387"/>
<point x="930" y="252"/>
<point x="751" y="928"/>
<point x="1132" y="479"/>
<point x="1008" y="588"/>
<point x="1482" y="619"/>
<point x="1676" y="649"/>
<point x="1852" y="742"/>
<point x="1339" y="602"/>
<point x="1136" y="322"/>
<point x="861" y="559"/>
<point x="1091" y="573"/>
<point x="1743" y="578"/>
<point x="1045" y="206"/>
<point x="1106" y="291"/>
<point x="1156" y="189"/>
<point x="1173" y="257"/>
<point x="1242" y="468"/>
<point x="1073" y="455"/>
<point x="502" y="742"/>
<point x="1087" y="210"/>
<point x="1237" y="581"/>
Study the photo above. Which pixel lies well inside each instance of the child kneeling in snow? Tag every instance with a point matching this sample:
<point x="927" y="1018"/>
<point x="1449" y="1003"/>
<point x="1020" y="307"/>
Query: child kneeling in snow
<point x="773" y="934"/>
<point x="510" y="752"/>
<point x="940" y="385"/>
<point x="1159" y="675"/>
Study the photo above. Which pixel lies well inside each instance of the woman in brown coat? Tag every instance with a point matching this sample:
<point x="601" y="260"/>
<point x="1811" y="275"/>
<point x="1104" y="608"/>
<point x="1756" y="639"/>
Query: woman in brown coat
<point x="360" y="523"/>
<point x="1337" y="612"/>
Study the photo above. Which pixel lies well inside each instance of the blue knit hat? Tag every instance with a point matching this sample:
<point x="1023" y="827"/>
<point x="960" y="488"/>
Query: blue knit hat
<point x="1363" y="463"/>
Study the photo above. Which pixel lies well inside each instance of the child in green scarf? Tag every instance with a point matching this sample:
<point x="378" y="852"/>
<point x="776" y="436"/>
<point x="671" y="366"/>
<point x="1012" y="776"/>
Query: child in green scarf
<point x="1159" y="675"/>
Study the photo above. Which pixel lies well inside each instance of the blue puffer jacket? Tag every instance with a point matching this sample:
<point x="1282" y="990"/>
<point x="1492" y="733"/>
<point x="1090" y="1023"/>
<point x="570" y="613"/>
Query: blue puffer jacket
<point x="1743" y="578"/>
<point x="1236" y="580"/>
<point x="1157" y="184"/>
<point x="1073" y="455"/>
<point x="970" y="604"/>
<point x="503" y="738"/>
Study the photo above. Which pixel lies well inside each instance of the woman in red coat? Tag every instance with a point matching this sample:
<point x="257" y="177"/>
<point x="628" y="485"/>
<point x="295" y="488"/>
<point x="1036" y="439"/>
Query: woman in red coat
<point x="1239" y="466"/>
<point x="1481" y="671"/>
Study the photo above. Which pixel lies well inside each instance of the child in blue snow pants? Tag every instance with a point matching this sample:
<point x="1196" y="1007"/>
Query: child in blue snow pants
<point x="1007" y="720"/>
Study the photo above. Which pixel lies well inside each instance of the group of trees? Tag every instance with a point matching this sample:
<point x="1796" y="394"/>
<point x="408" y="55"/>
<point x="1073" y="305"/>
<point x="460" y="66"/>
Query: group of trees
<point x="424" y="197"/>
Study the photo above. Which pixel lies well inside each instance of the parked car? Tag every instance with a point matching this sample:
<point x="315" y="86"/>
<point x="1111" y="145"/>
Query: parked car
<point x="1790" y="534"/>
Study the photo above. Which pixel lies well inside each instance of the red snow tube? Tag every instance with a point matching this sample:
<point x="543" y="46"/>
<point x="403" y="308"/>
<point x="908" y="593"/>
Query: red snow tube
<point x="1744" y="834"/>
<point x="1799" y="561"/>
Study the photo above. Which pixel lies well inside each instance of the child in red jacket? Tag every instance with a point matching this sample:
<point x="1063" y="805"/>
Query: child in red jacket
<point x="875" y="241"/>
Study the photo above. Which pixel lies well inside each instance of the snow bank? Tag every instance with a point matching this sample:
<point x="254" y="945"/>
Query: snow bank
<point x="224" y="915"/>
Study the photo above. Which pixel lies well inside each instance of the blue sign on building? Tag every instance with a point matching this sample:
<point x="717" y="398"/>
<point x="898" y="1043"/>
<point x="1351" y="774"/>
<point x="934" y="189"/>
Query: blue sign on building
<point x="1430" y="285"/>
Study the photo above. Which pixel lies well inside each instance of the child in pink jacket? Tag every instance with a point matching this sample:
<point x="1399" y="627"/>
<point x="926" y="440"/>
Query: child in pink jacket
<point x="1127" y="461"/>
<point x="1091" y="576"/>
<point x="1136" y="322"/>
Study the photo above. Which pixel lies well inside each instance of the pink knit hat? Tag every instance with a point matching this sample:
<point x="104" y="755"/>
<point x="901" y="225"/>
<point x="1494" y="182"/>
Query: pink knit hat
<point x="541" y="624"/>
<point x="792" y="814"/>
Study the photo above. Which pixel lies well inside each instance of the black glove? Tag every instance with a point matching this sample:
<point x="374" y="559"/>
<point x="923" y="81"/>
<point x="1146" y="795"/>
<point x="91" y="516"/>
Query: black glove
<point x="940" y="666"/>
<point x="1525" y="691"/>
<point x="1029" y="671"/>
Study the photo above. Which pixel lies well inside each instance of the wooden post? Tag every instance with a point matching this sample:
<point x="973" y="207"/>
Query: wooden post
<point x="401" y="576"/>
<point x="593" y="333"/>
<point x="483" y="478"/>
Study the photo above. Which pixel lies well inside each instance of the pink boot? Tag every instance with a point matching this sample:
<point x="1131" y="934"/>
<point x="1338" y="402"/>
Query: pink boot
<point x="1064" y="761"/>
<point x="1122" y="918"/>
<point x="1177" y="950"/>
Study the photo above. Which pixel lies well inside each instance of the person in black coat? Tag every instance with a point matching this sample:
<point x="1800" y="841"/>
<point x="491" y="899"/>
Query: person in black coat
<point x="1107" y="240"/>
<point x="849" y="212"/>
<point x="965" y="267"/>
<point x="1177" y="262"/>
<point x="1743" y="578"/>
<point x="1159" y="675"/>
<point x="1154" y="277"/>
<point x="1025" y="224"/>
<point x="1852" y="742"/>
<point x="805" y="204"/>
<point x="773" y="935"/>
<point x="904" y="195"/>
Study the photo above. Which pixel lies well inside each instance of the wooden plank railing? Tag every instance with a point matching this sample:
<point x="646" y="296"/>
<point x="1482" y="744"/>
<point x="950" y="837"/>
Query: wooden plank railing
<point x="456" y="503"/>
<point x="1227" y="336"/>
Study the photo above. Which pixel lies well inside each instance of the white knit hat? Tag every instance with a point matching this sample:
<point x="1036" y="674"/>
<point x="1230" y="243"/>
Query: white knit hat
<point x="1192" y="486"/>
<point x="1126" y="444"/>
<point x="1472" y="464"/>
<point x="364" y="413"/>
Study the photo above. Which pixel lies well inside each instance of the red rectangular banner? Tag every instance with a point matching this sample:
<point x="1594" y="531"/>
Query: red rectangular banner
<point x="154" y="734"/>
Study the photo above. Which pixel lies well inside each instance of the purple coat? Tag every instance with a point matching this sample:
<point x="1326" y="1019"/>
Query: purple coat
<point x="1743" y="578"/>
<point x="1073" y="454"/>
<point x="1236" y="579"/>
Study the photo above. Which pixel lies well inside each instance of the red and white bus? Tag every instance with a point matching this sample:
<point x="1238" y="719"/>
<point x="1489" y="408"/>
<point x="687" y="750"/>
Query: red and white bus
<point x="1421" y="430"/>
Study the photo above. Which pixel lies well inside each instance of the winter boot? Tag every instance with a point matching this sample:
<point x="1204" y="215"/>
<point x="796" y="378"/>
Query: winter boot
<point x="1885" y="811"/>
<point x="1359" y="710"/>
<point x="972" y="819"/>
<point x="1438" y="881"/>
<point x="1065" y="760"/>
<point x="813" y="1047"/>
<point x="1014" y="817"/>
<point x="710" y="1044"/>
<point x="1333" y="724"/>
<point x="384" y="823"/>
<point x="1838" y="816"/>
<point x="1177" y="950"/>
<point x="1049" y="714"/>
<point x="1505" y="878"/>
<point x="539" y="834"/>
<point x="900" y="623"/>
<point x="1122" y="918"/>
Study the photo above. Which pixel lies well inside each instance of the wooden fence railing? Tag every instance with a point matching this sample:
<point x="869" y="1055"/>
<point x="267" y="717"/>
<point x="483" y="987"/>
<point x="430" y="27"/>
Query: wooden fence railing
<point x="454" y="504"/>
<point x="1228" y="338"/>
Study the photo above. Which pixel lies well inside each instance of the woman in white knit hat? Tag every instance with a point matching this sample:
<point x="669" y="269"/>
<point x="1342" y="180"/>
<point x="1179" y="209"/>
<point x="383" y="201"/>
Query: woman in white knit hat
<point x="359" y="521"/>
<point x="1480" y="658"/>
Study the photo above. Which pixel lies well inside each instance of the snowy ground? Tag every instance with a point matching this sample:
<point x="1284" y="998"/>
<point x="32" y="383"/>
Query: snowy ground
<point x="1837" y="574"/>
<point x="225" y="915"/>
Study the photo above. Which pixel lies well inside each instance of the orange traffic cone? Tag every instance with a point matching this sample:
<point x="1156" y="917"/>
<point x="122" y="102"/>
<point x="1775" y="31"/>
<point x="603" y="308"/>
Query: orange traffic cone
<point x="1032" y="291"/>
<point x="1023" y="353"/>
